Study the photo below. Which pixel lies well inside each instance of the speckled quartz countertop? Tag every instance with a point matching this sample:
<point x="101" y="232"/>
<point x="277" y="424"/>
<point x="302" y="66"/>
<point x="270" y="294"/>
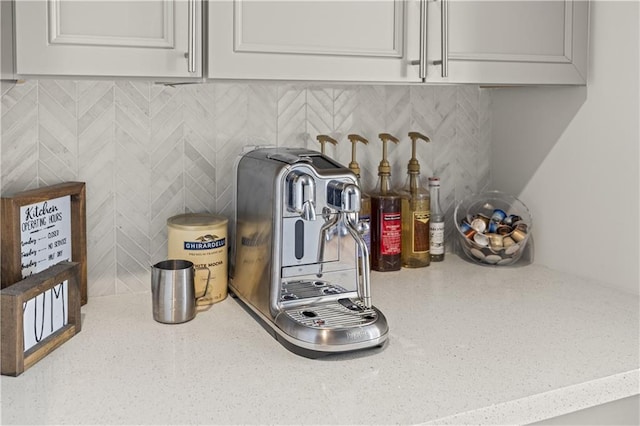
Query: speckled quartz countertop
<point x="468" y="344"/>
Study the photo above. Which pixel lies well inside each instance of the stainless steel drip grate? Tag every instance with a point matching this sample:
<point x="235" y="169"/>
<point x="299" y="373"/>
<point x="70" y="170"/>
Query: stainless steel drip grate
<point x="336" y="314"/>
<point x="295" y="290"/>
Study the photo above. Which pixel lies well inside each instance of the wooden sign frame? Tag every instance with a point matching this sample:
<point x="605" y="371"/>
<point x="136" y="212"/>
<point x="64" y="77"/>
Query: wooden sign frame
<point x="11" y="231"/>
<point x="14" y="360"/>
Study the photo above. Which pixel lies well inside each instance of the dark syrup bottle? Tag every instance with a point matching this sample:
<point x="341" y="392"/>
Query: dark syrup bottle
<point x="386" y="217"/>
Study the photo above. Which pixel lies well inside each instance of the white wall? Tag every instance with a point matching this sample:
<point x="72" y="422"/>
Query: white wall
<point x="572" y="154"/>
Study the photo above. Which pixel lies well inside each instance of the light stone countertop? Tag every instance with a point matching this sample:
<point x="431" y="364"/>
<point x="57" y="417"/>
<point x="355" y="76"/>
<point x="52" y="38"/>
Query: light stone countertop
<point x="468" y="344"/>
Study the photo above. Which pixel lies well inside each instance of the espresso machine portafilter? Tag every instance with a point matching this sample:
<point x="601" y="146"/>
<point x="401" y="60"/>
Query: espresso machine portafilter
<point x="298" y="260"/>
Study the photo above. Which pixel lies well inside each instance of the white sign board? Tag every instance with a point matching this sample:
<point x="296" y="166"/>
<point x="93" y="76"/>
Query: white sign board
<point x="45" y="239"/>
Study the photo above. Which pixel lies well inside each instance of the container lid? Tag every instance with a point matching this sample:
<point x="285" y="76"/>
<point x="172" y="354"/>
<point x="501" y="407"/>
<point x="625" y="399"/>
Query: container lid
<point x="190" y="221"/>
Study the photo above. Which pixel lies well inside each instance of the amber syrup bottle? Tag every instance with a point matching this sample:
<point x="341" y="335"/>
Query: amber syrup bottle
<point x="386" y="217"/>
<point x="415" y="213"/>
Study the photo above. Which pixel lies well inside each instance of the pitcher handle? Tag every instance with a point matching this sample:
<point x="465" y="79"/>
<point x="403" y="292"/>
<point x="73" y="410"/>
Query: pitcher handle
<point x="206" y="287"/>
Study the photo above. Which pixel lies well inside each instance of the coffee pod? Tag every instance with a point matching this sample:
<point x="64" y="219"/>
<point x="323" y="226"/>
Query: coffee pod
<point x="498" y="215"/>
<point x="511" y="219"/>
<point x="481" y="240"/>
<point x="512" y="249"/>
<point x="507" y="242"/>
<point x="518" y="235"/>
<point x="479" y="224"/>
<point x="466" y="229"/>
<point x="495" y="240"/>
<point x="503" y="230"/>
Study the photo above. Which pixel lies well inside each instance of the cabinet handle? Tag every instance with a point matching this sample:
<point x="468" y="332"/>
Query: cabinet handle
<point x="444" y="36"/>
<point x="423" y="39"/>
<point x="422" y="62"/>
<point x="191" y="43"/>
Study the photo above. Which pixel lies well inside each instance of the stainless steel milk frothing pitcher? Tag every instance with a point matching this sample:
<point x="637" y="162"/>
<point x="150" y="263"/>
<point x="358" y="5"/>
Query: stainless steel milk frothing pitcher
<point x="173" y="291"/>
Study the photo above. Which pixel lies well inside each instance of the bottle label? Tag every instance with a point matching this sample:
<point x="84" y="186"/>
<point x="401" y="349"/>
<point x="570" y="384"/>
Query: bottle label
<point x="420" y="231"/>
<point x="436" y="237"/>
<point x="391" y="234"/>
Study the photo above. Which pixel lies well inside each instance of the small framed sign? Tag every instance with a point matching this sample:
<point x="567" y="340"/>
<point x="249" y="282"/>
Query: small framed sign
<point x="38" y="314"/>
<point x="42" y="227"/>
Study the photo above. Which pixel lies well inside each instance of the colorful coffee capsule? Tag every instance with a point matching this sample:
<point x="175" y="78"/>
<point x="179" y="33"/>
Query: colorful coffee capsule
<point x="498" y="215"/>
<point x="466" y="229"/>
<point x="511" y="219"/>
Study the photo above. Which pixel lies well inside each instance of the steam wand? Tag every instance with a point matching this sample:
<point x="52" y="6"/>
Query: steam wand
<point x="345" y="198"/>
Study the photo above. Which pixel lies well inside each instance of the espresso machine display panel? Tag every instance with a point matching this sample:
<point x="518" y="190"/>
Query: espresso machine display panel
<point x="298" y="259"/>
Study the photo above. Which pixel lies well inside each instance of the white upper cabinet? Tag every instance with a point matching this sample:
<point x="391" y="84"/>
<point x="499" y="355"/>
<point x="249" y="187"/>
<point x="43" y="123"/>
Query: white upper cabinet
<point x="146" y="38"/>
<point x="501" y="42"/>
<point x="491" y="42"/>
<point x="350" y="40"/>
<point x="507" y="42"/>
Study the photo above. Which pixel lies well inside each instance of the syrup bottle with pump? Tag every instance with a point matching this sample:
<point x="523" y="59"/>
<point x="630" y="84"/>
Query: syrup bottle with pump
<point x="386" y="217"/>
<point x="415" y="213"/>
<point x="364" y="222"/>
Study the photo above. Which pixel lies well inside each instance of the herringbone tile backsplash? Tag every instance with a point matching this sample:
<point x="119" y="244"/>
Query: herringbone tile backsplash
<point x="148" y="152"/>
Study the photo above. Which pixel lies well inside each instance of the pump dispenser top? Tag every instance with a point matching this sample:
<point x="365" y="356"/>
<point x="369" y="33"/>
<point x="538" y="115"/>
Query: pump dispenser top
<point x="414" y="165"/>
<point x="323" y="139"/>
<point x="353" y="165"/>
<point x="384" y="168"/>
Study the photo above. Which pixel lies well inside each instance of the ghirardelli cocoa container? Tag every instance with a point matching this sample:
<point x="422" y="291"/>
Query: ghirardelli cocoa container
<point x="202" y="239"/>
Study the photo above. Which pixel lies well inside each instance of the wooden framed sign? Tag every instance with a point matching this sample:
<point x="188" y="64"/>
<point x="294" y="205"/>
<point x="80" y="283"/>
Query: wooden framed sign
<point x="38" y="315"/>
<point x="41" y="227"/>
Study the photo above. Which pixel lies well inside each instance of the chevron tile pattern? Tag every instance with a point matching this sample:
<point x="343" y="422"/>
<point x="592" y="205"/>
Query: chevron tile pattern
<point x="97" y="167"/>
<point x="20" y="138"/>
<point x="148" y="152"/>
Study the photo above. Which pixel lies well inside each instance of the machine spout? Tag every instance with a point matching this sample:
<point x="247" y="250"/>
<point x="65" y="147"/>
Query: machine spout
<point x="301" y="198"/>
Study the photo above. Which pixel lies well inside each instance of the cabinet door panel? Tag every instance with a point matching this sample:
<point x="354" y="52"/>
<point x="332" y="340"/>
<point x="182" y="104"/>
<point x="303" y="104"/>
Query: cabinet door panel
<point x="147" y="38"/>
<point x="510" y="42"/>
<point x="311" y="40"/>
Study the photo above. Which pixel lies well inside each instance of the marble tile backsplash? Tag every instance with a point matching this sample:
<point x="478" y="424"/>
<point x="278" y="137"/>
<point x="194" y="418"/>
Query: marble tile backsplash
<point x="148" y="152"/>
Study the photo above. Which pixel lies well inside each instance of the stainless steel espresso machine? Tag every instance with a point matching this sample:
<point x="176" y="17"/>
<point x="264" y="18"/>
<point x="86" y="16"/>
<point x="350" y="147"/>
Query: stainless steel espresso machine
<point x="298" y="260"/>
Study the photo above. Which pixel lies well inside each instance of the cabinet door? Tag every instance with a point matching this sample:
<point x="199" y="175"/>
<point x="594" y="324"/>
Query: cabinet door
<point x="508" y="42"/>
<point x="348" y="40"/>
<point x="146" y="38"/>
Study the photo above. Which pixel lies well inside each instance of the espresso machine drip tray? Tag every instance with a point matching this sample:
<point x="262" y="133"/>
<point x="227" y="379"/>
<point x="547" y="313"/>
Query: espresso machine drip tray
<point x="320" y="328"/>
<point x="330" y="315"/>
